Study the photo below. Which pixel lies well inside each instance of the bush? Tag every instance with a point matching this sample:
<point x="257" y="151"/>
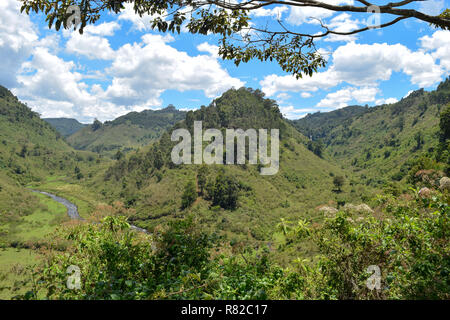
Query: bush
<point x="189" y="195"/>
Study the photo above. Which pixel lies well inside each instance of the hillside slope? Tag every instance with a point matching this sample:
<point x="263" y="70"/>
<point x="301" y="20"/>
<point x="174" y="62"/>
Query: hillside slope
<point x="30" y="151"/>
<point x="149" y="182"/>
<point x="128" y="132"/>
<point x="65" y="126"/>
<point x="383" y="143"/>
<point x="318" y="125"/>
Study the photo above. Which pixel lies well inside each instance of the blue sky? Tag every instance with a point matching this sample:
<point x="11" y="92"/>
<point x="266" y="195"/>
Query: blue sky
<point x="120" y="65"/>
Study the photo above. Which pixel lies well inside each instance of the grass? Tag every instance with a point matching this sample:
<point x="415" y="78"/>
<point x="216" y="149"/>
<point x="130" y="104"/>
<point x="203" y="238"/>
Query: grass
<point x="43" y="220"/>
<point x="13" y="264"/>
<point x="85" y="200"/>
<point x="38" y="224"/>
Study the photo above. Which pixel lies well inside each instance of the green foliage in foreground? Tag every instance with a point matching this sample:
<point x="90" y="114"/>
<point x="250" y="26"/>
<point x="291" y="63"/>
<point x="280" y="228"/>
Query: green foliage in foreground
<point x="408" y="241"/>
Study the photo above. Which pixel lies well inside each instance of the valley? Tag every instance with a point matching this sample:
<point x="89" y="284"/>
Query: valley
<point x="356" y="157"/>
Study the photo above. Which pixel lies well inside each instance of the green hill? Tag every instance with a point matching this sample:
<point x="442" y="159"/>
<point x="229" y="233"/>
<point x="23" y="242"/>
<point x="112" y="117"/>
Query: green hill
<point x="128" y="132"/>
<point x="381" y="144"/>
<point x="318" y="125"/>
<point x="31" y="150"/>
<point x="65" y="126"/>
<point x="233" y="199"/>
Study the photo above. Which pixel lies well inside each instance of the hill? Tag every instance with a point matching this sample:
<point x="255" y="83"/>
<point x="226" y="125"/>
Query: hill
<point x="31" y="150"/>
<point x="235" y="200"/>
<point x="383" y="143"/>
<point x="128" y="132"/>
<point x="317" y="125"/>
<point x="65" y="126"/>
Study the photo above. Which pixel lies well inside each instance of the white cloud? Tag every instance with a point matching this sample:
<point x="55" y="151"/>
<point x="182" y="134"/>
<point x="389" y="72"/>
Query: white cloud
<point x="431" y="7"/>
<point x="439" y="44"/>
<point x="291" y="112"/>
<point x="386" y="101"/>
<point x="306" y="95"/>
<point x="139" y="73"/>
<point x="276" y="12"/>
<point x="209" y="48"/>
<point x="300" y="15"/>
<point x="273" y="83"/>
<point x="103" y="29"/>
<point x="282" y="97"/>
<point x="17" y="39"/>
<point x="342" y="23"/>
<point x="93" y="47"/>
<point x="362" y="65"/>
<point x="155" y="66"/>
<point x="92" y="43"/>
<point x="341" y="98"/>
<point x="139" y="23"/>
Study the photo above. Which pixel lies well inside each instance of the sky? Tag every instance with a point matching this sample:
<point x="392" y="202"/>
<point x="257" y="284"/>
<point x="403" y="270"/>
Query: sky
<point x="120" y="65"/>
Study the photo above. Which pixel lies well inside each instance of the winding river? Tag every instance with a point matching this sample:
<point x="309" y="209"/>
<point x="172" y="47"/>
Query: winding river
<point x="72" y="209"/>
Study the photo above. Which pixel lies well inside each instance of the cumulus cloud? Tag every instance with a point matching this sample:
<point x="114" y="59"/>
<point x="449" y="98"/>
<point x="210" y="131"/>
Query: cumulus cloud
<point x="92" y="43"/>
<point x="137" y="76"/>
<point x="139" y="23"/>
<point x="343" y="23"/>
<point x="276" y="12"/>
<point x="209" y="48"/>
<point x="301" y="15"/>
<point x="291" y="112"/>
<point x="156" y="66"/>
<point x="439" y="45"/>
<point x="431" y="7"/>
<point x="273" y="83"/>
<point x="386" y="101"/>
<point x="362" y="65"/>
<point x="341" y="98"/>
<point x="17" y="39"/>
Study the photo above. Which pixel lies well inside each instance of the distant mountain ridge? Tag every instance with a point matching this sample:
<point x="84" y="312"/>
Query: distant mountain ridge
<point x="65" y="126"/>
<point x="128" y="132"/>
<point x="318" y="125"/>
<point x="384" y="142"/>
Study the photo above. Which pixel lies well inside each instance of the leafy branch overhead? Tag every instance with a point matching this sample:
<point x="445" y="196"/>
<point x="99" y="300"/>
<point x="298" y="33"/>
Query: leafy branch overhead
<point x="241" y="37"/>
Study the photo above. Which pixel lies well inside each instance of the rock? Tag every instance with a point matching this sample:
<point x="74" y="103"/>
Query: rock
<point x="425" y="193"/>
<point x="444" y="184"/>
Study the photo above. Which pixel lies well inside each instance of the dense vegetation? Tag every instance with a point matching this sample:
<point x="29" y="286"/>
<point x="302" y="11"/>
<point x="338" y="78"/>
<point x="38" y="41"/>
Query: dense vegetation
<point x="65" y="126"/>
<point x="226" y="232"/>
<point x="382" y="144"/>
<point x="234" y="199"/>
<point x="318" y="125"/>
<point x="407" y="240"/>
<point x="129" y="132"/>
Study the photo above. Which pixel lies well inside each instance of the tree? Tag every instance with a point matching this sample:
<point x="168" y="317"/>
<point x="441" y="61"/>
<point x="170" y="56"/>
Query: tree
<point x="419" y="140"/>
<point x="78" y="173"/>
<point x="96" y="125"/>
<point x="118" y="155"/>
<point x="444" y="125"/>
<point x="241" y="37"/>
<point x="202" y="178"/>
<point x="316" y="147"/>
<point x="189" y="195"/>
<point x="23" y="151"/>
<point x="338" y="182"/>
<point x="226" y="191"/>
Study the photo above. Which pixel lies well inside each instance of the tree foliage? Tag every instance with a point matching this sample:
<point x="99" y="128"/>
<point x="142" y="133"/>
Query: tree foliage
<point x="241" y="37"/>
